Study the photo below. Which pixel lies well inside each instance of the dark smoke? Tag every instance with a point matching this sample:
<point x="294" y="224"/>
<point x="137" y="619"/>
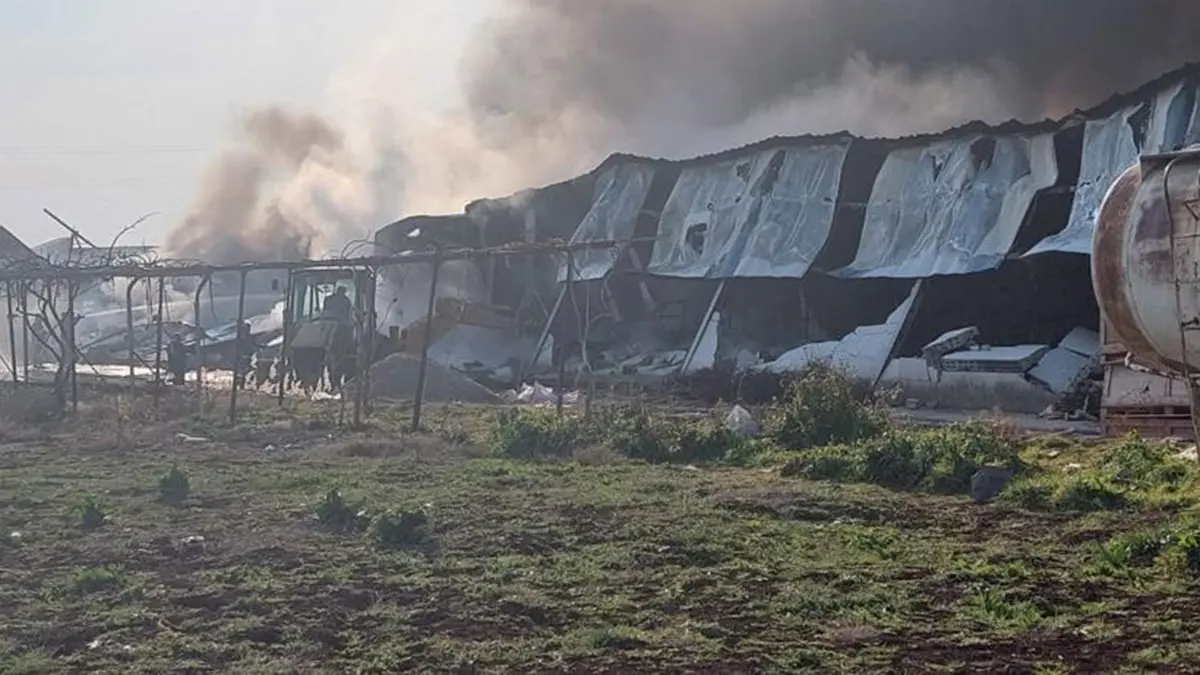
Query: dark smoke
<point x="256" y="200"/>
<point x="875" y="66"/>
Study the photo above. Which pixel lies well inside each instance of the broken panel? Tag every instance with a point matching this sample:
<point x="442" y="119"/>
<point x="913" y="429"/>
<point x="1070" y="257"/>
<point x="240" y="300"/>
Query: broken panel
<point x="1110" y="146"/>
<point x="953" y="207"/>
<point x="761" y="215"/>
<point x="620" y="193"/>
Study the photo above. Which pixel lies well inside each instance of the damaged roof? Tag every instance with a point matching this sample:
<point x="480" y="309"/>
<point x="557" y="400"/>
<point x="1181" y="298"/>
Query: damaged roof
<point x="945" y="203"/>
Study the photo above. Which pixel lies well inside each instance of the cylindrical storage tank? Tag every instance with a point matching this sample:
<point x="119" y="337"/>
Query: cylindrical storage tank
<point x="1146" y="261"/>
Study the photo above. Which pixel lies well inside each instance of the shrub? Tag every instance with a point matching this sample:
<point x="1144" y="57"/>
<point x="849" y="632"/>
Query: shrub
<point x="823" y="407"/>
<point x="635" y="434"/>
<point x="97" y="579"/>
<point x="1034" y="494"/>
<point x="1144" y="465"/>
<point x="174" y="487"/>
<point x="1174" y="547"/>
<point x="334" y="513"/>
<point x="1130" y="473"/>
<point x="750" y="452"/>
<point x="836" y="463"/>
<point x="92" y="515"/>
<point x="1086" y="493"/>
<point x="940" y="461"/>
<point x="527" y="433"/>
<point x="397" y="530"/>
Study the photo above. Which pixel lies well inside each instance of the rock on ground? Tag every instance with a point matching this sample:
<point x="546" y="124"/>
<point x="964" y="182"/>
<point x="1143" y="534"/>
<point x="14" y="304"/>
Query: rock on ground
<point x="988" y="483"/>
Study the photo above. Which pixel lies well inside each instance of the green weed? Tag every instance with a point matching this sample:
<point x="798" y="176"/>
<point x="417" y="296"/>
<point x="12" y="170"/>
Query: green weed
<point x="174" y="487"/>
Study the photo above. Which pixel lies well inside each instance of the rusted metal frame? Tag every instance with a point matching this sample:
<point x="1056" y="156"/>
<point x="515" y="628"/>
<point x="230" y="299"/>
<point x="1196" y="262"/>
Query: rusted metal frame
<point x="419" y="396"/>
<point x="12" y="333"/>
<point x="712" y="307"/>
<point x="237" y="347"/>
<point x="282" y="365"/>
<point x="158" y="340"/>
<point x="59" y="272"/>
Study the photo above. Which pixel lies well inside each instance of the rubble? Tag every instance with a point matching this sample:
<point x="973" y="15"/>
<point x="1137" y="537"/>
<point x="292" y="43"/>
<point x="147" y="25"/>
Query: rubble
<point x="395" y="377"/>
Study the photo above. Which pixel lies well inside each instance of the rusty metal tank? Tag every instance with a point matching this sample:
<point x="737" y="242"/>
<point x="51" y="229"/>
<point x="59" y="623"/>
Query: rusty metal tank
<point x="1146" y="261"/>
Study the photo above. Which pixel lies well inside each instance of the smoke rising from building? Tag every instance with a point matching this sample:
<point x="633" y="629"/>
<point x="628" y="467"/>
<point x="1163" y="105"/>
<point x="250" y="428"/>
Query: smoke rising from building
<point x="282" y="190"/>
<point x="548" y="88"/>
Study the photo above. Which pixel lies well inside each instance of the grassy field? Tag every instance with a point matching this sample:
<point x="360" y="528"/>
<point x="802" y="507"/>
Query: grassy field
<point x="590" y="563"/>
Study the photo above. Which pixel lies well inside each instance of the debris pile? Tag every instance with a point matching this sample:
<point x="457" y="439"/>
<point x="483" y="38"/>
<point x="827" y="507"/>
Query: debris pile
<point x="396" y="378"/>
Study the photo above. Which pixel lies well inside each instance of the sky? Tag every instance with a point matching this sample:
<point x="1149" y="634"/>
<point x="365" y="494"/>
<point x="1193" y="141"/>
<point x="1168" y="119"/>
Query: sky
<point x="110" y="110"/>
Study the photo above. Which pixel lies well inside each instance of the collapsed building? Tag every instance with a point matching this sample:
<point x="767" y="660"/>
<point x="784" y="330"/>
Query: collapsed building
<point x="954" y="265"/>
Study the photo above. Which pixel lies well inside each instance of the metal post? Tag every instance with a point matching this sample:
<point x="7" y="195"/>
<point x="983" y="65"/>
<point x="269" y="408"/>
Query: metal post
<point x="562" y="360"/>
<point x="360" y="359"/>
<point x="712" y="307"/>
<point x="158" y="340"/>
<point x="420" y="393"/>
<point x="541" y="344"/>
<point x="199" y="338"/>
<point x="25" y="329"/>
<point x="372" y="327"/>
<point x="129" y="329"/>
<point x="71" y="344"/>
<point x="288" y="310"/>
<point x="237" y="348"/>
<point x="12" y="332"/>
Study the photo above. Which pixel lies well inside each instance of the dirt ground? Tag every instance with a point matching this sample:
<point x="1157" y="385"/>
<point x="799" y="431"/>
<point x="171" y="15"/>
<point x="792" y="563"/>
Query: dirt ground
<point x="591" y="565"/>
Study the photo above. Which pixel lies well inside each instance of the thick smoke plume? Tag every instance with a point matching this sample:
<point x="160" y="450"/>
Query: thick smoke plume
<point x="548" y="88"/>
<point x="284" y="189"/>
<point x="654" y="75"/>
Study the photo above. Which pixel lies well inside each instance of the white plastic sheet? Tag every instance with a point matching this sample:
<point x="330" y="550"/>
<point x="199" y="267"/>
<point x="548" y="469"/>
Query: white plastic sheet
<point x="1110" y="146"/>
<point x="762" y="215"/>
<point x="953" y="207"/>
<point x="619" y="196"/>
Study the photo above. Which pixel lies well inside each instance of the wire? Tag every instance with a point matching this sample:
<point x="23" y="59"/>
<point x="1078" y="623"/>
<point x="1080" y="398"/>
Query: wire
<point x="151" y="149"/>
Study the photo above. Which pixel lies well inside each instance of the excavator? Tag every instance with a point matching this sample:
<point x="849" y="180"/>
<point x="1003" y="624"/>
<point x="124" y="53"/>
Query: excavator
<point x="323" y="345"/>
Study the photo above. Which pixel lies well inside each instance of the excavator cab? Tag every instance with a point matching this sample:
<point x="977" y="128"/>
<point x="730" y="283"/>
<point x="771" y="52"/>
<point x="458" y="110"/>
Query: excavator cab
<point x="312" y="288"/>
<point x="324" y="340"/>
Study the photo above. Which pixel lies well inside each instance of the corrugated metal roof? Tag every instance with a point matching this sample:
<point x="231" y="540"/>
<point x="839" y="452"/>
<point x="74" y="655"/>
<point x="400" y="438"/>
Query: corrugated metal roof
<point x="14" y="252"/>
<point x="620" y="194"/>
<point x="952" y="207"/>
<point x="763" y="215"/>
<point x="1113" y="144"/>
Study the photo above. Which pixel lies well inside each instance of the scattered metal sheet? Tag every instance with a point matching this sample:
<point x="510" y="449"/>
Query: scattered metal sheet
<point x="1110" y="146"/>
<point x="948" y="342"/>
<point x="1017" y="359"/>
<point x="953" y="207"/>
<point x="1082" y="341"/>
<point x="1062" y="370"/>
<point x="863" y="354"/>
<point x="619" y="197"/>
<point x="761" y="215"/>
